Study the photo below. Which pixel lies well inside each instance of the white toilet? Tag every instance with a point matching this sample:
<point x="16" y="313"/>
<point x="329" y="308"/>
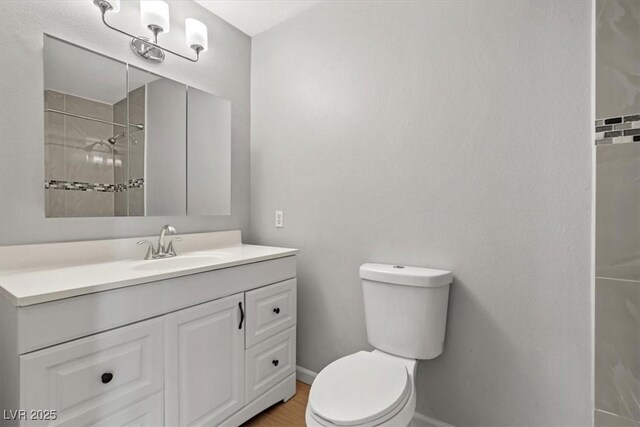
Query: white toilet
<point x="406" y="314"/>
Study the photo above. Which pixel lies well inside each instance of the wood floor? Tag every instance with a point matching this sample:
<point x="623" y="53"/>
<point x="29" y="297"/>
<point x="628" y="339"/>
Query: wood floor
<point x="284" y="414"/>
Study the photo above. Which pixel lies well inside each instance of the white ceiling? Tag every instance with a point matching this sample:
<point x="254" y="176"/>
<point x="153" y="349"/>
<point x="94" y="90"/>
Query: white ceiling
<point x="255" y="16"/>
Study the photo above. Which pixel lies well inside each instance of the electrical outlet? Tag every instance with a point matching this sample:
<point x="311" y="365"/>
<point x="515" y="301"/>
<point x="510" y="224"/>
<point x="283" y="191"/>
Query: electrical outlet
<point x="279" y="219"/>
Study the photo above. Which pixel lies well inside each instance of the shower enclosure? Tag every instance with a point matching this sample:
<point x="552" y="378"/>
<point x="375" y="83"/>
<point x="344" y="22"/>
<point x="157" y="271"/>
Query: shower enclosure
<point x="617" y="234"/>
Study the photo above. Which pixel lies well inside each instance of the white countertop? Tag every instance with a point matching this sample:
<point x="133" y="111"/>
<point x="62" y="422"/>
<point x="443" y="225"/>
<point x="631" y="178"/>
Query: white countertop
<point x="57" y="276"/>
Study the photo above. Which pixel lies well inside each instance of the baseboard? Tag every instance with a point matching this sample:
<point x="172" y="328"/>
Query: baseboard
<point x="421" y="420"/>
<point x="305" y="375"/>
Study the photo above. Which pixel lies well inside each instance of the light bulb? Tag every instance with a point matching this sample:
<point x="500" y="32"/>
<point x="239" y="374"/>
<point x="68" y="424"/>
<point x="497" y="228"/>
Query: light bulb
<point x="196" y="33"/>
<point x="155" y="13"/>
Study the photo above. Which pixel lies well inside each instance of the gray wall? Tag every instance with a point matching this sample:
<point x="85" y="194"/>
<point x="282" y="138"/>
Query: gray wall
<point x="224" y="70"/>
<point x="452" y="135"/>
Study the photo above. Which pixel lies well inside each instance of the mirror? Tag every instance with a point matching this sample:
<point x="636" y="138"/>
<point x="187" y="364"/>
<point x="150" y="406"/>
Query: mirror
<point x="122" y="141"/>
<point x="163" y="107"/>
<point x="208" y="164"/>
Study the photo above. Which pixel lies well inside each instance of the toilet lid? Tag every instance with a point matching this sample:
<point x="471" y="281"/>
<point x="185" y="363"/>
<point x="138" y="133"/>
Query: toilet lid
<point x="359" y="388"/>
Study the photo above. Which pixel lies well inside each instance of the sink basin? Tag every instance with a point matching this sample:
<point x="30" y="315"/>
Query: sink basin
<point x="184" y="261"/>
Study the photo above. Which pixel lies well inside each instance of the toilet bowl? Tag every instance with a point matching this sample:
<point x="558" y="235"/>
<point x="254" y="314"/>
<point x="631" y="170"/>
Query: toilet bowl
<point x="405" y="310"/>
<point x="363" y="389"/>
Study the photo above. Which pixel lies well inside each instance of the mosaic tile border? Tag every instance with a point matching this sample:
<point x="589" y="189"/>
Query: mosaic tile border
<point x="618" y="130"/>
<point x="136" y="183"/>
<point x="87" y="186"/>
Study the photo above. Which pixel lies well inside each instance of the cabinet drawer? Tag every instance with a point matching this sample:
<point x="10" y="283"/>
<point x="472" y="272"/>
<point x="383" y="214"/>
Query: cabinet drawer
<point x="113" y="368"/>
<point x="146" y="413"/>
<point x="270" y="362"/>
<point x="270" y="310"/>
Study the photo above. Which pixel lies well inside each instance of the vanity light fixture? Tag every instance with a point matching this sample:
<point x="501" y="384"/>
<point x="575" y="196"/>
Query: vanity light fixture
<point x="154" y="14"/>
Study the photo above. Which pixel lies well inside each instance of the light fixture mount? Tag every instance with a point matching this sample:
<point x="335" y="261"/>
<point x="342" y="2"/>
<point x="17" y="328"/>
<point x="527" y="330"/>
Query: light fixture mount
<point x="144" y="47"/>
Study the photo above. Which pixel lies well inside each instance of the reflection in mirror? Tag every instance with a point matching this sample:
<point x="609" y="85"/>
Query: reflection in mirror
<point x="130" y="178"/>
<point x="82" y="91"/>
<point x="208" y="154"/>
<point x="163" y="157"/>
<point x="120" y="141"/>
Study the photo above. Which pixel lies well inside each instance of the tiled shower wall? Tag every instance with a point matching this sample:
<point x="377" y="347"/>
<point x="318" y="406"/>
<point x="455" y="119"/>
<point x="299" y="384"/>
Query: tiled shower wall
<point x="131" y="201"/>
<point x="84" y="174"/>
<point x="136" y="165"/>
<point x="76" y="151"/>
<point x="617" y="294"/>
<point x="120" y="204"/>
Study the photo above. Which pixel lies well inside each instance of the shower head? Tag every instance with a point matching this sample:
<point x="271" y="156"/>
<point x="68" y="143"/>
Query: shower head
<point x="114" y="138"/>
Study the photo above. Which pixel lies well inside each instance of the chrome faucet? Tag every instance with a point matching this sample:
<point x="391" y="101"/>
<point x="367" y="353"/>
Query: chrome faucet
<point x="161" y="251"/>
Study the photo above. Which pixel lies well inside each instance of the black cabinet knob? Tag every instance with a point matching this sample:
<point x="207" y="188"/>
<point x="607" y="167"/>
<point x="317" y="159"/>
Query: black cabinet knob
<point x="275" y="362"/>
<point x="106" y="377"/>
<point x="276" y="310"/>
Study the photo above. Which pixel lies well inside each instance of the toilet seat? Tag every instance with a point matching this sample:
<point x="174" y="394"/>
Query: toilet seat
<point x="359" y="389"/>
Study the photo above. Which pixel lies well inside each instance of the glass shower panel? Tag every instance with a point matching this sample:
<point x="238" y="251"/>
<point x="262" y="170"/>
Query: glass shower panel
<point x="617" y="225"/>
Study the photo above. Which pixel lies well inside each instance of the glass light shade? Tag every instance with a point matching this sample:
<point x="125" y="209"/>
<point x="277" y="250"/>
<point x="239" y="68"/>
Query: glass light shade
<point x="155" y="12"/>
<point x="196" y="33"/>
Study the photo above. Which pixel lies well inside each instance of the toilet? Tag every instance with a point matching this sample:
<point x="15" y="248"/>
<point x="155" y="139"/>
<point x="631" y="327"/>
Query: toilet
<point x="406" y="313"/>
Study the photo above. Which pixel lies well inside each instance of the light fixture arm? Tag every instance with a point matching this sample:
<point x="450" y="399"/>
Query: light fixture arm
<point x="105" y="6"/>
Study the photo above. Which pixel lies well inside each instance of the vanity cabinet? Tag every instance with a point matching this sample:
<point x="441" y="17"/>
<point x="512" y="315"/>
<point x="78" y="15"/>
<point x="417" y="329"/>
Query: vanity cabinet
<point x="205" y="349"/>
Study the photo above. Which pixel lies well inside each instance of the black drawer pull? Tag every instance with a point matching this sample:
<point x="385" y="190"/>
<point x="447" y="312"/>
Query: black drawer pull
<point x="275" y="362"/>
<point x="276" y="310"/>
<point x="106" y="377"/>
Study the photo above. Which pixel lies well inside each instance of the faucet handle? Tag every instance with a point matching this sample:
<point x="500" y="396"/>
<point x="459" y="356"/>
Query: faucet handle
<point x="150" y="251"/>
<point x="170" y="249"/>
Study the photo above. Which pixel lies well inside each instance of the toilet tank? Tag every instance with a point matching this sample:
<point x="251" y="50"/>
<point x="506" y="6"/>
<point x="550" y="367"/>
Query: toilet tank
<point x="406" y="309"/>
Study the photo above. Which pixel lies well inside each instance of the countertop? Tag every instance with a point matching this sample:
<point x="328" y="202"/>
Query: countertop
<point x="25" y="284"/>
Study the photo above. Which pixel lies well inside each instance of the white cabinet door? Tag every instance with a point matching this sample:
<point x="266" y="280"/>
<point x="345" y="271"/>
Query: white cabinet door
<point x="204" y="375"/>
